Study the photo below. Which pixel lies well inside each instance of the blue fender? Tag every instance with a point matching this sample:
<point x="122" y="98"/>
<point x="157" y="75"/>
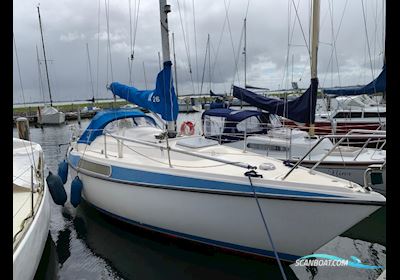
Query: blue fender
<point x="63" y="171"/>
<point x="56" y="188"/>
<point x="76" y="190"/>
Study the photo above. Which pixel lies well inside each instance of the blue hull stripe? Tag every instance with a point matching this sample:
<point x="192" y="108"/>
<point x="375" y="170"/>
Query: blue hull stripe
<point x="225" y="245"/>
<point x="146" y="177"/>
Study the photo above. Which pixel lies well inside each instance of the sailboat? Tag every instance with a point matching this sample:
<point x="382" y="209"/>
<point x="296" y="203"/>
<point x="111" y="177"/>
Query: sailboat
<point x="31" y="208"/>
<point x="145" y="174"/>
<point x="48" y="114"/>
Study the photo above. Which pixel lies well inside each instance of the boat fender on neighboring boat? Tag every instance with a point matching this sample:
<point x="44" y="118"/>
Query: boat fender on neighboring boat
<point x="63" y="171"/>
<point x="56" y="189"/>
<point x="76" y="190"/>
<point x="187" y="128"/>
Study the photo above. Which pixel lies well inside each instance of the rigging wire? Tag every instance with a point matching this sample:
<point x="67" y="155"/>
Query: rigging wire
<point x="219" y="45"/>
<point x="219" y="69"/>
<point x="231" y="39"/>
<point x="19" y="70"/>
<point x="301" y="27"/>
<point x="186" y="46"/>
<point x="334" y="50"/>
<point x="41" y="87"/>
<point x="366" y="35"/>
<point x="90" y="71"/>
<point x="131" y="42"/>
<point x="98" y="48"/>
<point x="109" y="59"/>
<point x="132" y="34"/>
<point x="195" y="46"/>
<point x="204" y="65"/>
<point x="236" y="58"/>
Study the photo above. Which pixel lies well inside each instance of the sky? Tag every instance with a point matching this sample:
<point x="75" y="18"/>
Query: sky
<point x="77" y="35"/>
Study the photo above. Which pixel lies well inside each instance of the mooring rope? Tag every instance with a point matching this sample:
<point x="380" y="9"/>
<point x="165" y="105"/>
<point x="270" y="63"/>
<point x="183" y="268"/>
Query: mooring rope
<point x="250" y="174"/>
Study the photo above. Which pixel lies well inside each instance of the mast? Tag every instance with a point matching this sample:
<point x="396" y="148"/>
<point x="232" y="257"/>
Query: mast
<point x="314" y="50"/>
<point x="45" y="60"/>
<point x="164" y="10"/>
<point x="209" y="59"/>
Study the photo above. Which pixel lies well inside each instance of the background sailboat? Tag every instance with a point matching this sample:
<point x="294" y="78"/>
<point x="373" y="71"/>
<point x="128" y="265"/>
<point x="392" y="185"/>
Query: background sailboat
<point x="48" y="114"/>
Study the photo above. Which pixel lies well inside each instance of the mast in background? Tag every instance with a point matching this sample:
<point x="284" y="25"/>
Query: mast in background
<point x="45" y="60"/>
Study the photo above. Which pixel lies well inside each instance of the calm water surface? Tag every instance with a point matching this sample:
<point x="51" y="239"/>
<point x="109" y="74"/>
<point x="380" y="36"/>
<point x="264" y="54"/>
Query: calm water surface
<point x="85" y="244"/>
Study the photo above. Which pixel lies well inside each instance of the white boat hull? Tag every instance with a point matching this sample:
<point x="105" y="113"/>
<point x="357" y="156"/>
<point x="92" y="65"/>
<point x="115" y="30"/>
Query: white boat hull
<point x="228" y="221"/>
<point x="56" y="118"/>
<point x="27" y="255"/>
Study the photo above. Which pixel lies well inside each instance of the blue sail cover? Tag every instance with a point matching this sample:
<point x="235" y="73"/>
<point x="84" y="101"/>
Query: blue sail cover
<point x="377" y="85"/>
<point x="162" y="100"/>
<point x="301" y="109"/>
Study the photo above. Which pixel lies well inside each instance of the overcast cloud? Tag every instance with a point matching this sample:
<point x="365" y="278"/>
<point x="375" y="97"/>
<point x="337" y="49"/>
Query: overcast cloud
<point x="69" y="25"/>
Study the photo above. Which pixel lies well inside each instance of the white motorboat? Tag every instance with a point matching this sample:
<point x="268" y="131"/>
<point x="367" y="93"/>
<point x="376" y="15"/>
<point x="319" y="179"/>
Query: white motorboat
<point x="354" y="109"/>
<point x="50" y="115"/>
<point x="31" y="208"/>
<point x="90" y="109"/>
<point x="194" y="188"/>
<point x="262" y="133"/>
<point x="352" y="112"/>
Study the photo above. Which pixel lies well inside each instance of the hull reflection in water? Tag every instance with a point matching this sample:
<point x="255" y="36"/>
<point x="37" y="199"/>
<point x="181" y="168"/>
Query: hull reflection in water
<point x="137" y="253"/>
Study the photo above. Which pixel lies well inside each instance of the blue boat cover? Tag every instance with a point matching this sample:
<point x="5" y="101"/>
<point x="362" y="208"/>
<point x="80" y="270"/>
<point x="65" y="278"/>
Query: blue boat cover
<point x="102" y="118"/>
<point x="162" y="100"/>
<point x="377" y="85"/>
<point x="301" y="109"/>
<point x="230" y="114"/>
<point x="232" y="118"/>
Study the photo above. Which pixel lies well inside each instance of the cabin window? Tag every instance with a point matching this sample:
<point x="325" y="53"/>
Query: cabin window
<point x="274" y="121"/>
<point x="266" y="147"/>
<point x="129" y="123"/>
<point x="347" y="115"/>
<point x="95" y="167"/>
<point x="374" y="115"/>
<point x="213" y="126"/>
<point x="250" y="125"/>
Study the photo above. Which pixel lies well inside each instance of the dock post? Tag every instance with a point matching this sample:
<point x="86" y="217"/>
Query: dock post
<point x="23" y="128"/>
<point x="79" y="116"/>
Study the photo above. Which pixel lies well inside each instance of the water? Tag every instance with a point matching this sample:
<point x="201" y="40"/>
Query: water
<point x="85" y="244"/>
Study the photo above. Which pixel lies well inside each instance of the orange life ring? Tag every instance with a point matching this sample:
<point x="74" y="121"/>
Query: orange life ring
<point x="187" y="128"/>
